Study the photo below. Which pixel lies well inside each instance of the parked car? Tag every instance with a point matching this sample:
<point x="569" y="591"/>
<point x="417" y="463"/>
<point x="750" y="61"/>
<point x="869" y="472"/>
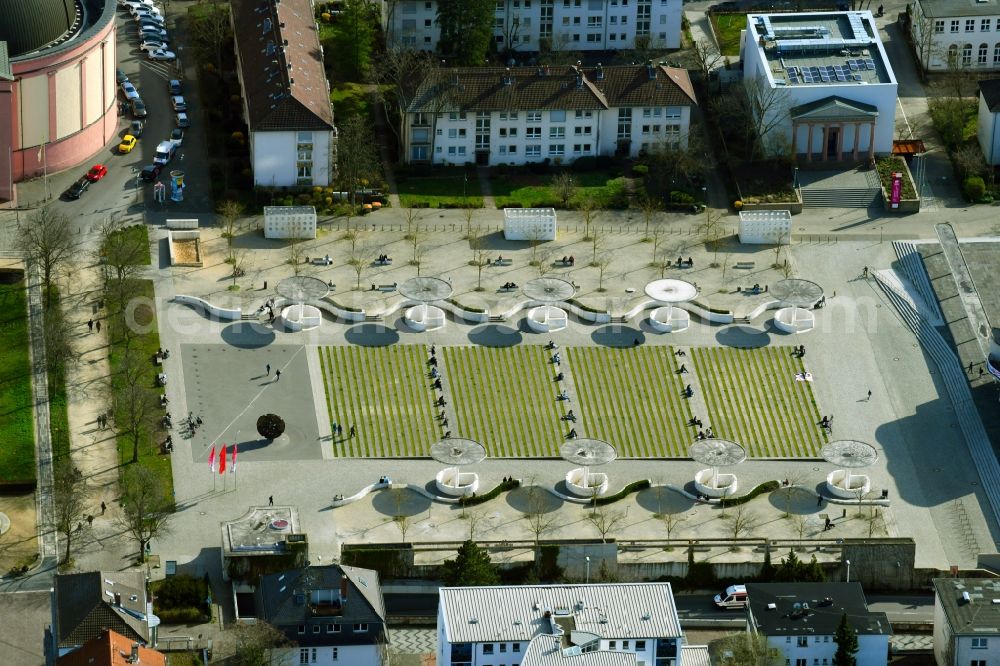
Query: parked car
<point x="734" y="596"/>
<point x="161" y="55"/>
<point x="135" y="129"/>
<point x="175" y="87"/>
<point x="129" y="90"/>
<point x="182" y="120"/>
<point x="164" y="152"/>
<point x="145" y="12"/>
<point x="150" y="172"/>
<point x="120" y="76"/>
<point x="128" y="4"/>
<point x="178" y="103"/>
<point x="77" y="189"/>
<point x="96" y="172"/>
<point x="127" y="144"/>
<point x="177" y="135"/>
<point x="139" y="108"/>
<point x="148" y="45"/>
<point x="151" y="32"/>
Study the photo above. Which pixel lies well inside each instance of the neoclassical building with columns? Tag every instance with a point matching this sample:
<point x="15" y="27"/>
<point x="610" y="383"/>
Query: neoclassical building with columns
<point x="824" y="84"/>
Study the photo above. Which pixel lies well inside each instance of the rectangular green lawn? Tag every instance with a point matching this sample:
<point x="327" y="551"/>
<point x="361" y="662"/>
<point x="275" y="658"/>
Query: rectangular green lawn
<point x="753" y="398"/>
<point x="631" y="398"/>
<point x="17" y="451"/>
<point x="505" y="399"/>
<point x="386" y="394"/>
<point x="450" y="189"/>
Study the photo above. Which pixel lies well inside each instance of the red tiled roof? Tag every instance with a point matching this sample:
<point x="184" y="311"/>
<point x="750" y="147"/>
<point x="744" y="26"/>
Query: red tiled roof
<point x="111" y="649"/>
<point x="541" y="88"/>
<point x="284" y="81"/>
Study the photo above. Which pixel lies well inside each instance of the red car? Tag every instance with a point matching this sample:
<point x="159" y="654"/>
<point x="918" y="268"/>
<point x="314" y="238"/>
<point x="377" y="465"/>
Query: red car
<point x="97" y="172"/>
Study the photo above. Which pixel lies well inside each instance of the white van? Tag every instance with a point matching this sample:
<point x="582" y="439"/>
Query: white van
<point x="164" y="152"/>
<point x="735" y="596"/>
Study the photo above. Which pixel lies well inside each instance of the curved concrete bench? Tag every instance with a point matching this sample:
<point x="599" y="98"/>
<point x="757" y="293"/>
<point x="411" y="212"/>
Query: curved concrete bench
<point x="420" y="319"/>
<point x="225" y="314"/>
<point x="584" y="486"/>
<point x="794" y="320"/>
<point x="844" y="485"/>
<point x="725" y="487"/>
<point x="669" y="319"/>
<point x="361" y="494"/>
<point x="454" y="484"/>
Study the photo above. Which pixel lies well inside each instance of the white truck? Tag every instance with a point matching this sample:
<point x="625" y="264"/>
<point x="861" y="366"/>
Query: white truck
<point x="164" y="152"/>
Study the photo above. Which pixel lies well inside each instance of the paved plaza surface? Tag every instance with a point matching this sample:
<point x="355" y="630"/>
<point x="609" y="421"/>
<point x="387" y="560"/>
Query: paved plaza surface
<point x="859" y="345"/>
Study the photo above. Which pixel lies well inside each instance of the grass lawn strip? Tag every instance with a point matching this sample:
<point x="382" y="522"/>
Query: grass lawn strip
<point x="17" y="432"/>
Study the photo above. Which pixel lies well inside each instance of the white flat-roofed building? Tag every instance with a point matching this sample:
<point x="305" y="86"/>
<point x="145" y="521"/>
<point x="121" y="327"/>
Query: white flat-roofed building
<point x="956" y="33"/>
<point x="824" y="83"/>
<point x="494" y="116"/>
<point x="614" y="624"/>
<point x="529" y="25"/>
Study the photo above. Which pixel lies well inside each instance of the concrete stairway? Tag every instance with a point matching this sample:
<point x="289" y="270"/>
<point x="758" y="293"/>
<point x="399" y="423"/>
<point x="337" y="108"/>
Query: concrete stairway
<point x="855" y="197"/>
<point x="913" y="267"/>
<point x="957" y="386"/>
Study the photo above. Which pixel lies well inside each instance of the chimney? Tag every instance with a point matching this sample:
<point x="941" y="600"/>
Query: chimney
<point x="507" y="78"/>
<point x="118" y="599"/>
<point x="134" y="657"/>
<point x="343" y="590"/>
<point x="650" y="70"/>
<point x="600" y="72"/>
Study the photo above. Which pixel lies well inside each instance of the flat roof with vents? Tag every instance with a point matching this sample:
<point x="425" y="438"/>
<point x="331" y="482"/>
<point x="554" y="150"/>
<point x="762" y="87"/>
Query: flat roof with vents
<point x="830" y="48"/>
<point x="971" y="605"/>
<point x="793" y="609"/>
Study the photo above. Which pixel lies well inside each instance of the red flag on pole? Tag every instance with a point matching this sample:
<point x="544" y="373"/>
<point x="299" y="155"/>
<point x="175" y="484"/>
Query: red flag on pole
<point x="232" y="470"/>
<point x="211" y="459"/>
<point x="222" y="460"/>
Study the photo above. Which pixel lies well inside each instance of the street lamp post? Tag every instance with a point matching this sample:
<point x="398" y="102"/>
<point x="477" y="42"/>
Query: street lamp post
<point x="848" y="563"/>
<point x="588" y="569"/>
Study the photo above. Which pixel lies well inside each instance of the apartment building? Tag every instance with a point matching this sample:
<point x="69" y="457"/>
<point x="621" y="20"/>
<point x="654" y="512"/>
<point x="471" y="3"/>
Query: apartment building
<point x="948" y="34"/>
<point x="528" y="26"/>
<point x="494" y="116"/>
<point x="966" y="622"/>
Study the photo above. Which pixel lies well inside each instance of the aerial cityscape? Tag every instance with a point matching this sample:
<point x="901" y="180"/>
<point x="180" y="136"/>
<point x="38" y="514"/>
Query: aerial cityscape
<point x="499" y="333"/>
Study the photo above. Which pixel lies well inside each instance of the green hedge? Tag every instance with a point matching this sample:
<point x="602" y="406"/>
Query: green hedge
<point x="183" y="616"/>
<point x="181" y="599"/>
<point x="467" y="308"/>
<point x="485" y="497"/>
<point x="766" y="487"/>
<point x="633" y="487"/>
<point x="586" y="308"/>
<point x="703" y="306"/>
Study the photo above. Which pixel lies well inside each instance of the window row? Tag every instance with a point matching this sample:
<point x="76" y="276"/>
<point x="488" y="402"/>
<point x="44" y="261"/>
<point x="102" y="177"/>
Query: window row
<point x="332" y="628"/>
<point x="985" y="25"/>
<point x="309" y="655"/>
<point x="965" y="58"/>
<point x="488" y="648"/>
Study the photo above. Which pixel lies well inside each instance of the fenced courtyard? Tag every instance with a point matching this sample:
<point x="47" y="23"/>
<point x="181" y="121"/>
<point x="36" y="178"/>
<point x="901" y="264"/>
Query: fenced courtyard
<point x="506" y="398"/>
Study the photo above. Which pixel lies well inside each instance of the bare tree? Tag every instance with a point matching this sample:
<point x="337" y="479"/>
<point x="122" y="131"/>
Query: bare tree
<point x="403" y="523"/>
<point x="47" y="239"/>
<point x="359" y="261"/>
<point x="596" y="243"/>
<point x="145" y="506"/>
<point x="539" y="521"/>
<point x="800" y="524"/>
<point x="742" y="521"/>
<point x="419" y="250"/>
<point x="60" y="350"/>
<point x="480" y="259"/>
<point x="357" y="157"/>
<point x="602" y="261"/>
<point x="230" y="213"/>
<point x="712" y="231"/>
<point x="136" y="404"/>
<point x="605" y="521"/>
<point x="296" y="253"/>
<point x="240" y="261"/>
<point x="759" y="111"/>
<point x="876" y="523"/>
<point x="564" y="187"/>
<point x="789" y="488"/>
<point x="671" y="521"/>
<point x="210" y="31"/>
<point x="650" y="205"/>
<point x="398" y="73"/>
<point x="706" y="56"/>
<point x="468" y="213"/>
<point x="588" y="209"/>
<point x="252" y="644"/>
<point x="122" y="255"/>
<point x="412" y="217"/>
<point x="69" y="492"/>
<point x="474" y="518"/>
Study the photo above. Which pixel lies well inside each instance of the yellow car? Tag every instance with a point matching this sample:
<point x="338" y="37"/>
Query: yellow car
<point x="127" y="144"/>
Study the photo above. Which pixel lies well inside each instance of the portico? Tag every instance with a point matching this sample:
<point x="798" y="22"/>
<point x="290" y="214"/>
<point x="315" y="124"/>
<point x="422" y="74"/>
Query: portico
<point x="833" y="129"/>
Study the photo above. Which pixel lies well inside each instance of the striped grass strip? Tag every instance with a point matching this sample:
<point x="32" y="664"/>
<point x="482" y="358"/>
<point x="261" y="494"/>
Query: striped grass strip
<point x="632" y="399"/>
<point x="385" y="393"/>
<point x="753" y="398"/>
<point x="505" y="398"/>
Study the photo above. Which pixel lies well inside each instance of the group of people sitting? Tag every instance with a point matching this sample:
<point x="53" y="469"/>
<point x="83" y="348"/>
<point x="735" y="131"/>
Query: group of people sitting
<point x="499" y="261"/>
<point x="162" y="353"/>
<point x="509" y="285"/>
<point x="688" y="391"/>
<point x="383" y="259"/>
<point x="706" y="434"/>
<point x="568" y="261"/>
<point x="799" y="351"/>
<point x="689" y="263"/>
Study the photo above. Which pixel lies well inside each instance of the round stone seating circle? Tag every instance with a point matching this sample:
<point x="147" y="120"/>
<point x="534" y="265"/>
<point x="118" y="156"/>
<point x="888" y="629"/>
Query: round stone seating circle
<point x="4" y="523"/>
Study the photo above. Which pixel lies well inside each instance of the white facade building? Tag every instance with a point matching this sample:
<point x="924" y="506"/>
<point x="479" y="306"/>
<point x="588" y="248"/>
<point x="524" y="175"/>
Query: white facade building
<point x="538" y="25"/>
<point x="497" y="116"/>
<point x="947" y="34"/>
<point x="800" y="621"/>
<point x="966" y="622"/>
<point x="286" y="97"/>
<point x="988" y="131"/>
<point x="618" y="624"/>
<point x="824" y="82"/>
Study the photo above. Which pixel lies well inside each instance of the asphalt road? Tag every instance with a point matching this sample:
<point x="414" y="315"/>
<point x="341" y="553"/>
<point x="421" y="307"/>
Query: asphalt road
<point x="899" y="608"/>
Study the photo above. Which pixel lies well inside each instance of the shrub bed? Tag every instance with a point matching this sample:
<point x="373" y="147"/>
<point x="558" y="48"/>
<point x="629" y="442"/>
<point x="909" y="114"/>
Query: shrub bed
<point x="486" y="497"/>
<point x="766" y="487"/>
<point x="633" y="487"/>
<point x="181" y="599"/>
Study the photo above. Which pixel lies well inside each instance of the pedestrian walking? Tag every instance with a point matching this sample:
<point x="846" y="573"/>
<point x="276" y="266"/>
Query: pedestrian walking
<point x="432" y="350"/>
<point x="90" y="327"/>
<point x="268" y="369"/>
<point x="270" y="500"/>
<point x="104" y="507"/>
<point x="98" y="325"/>
<point x="869" y="395"/>
<point x="354" y="431"/>
<point x="277" y="375"/>
<point x="340" y="430"/>
<point x="970" y="367"/>
<point x="90" y="520"/>
<point x="981" y="372"/>
<point x="334" y="429"/>
<point x="819" y="501"/>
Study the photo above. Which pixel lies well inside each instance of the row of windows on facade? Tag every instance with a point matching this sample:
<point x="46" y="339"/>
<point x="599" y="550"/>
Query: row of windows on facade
<point x="575" y="37"/>
<point x="557" y="116"/>
<point x="981" y="55"/>
<point x="535" y="150"/>
<point x="985" y="25"/>
<point x="309" y="655"/>
<point x="332" y="628"/>
<point x="624" y="131"/>
<point x="501" y="5"/>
